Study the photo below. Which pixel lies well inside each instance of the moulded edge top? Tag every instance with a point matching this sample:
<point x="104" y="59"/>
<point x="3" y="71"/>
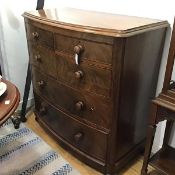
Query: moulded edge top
<point x="95" y="22"/>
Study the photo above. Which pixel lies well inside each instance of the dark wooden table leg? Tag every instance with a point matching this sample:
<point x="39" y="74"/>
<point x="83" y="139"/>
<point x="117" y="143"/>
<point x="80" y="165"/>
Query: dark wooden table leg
<point x="150" y="137"/>
<point x="149" y="143"/>
<point x="26" y="94"/>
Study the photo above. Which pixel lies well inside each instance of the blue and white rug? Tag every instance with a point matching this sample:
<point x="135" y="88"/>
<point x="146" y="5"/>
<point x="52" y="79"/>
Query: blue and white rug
<point x="22" y="152"/>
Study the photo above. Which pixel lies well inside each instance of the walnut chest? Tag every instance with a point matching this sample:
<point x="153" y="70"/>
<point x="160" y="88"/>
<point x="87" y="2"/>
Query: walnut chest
<point x="93" y="76"/>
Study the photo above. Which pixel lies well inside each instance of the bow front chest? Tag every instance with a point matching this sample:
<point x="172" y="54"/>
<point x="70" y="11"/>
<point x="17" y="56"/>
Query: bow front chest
<point x="93" y="76"/>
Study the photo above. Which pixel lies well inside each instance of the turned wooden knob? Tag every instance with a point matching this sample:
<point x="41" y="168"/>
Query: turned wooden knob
<point x="41" y="83"/>
<point x="79" y="74"/>
<point x="78" y="49"/>
<point x="78" y="137"/>
<point x="37" y="57"/>
<point x="79" y="106"/>
<point x="35" y="35"/>
<point x="43" y="110"/>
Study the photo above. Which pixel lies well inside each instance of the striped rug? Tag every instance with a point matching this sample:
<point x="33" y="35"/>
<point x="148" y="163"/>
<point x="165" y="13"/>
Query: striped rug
<point x="22" y="152"/>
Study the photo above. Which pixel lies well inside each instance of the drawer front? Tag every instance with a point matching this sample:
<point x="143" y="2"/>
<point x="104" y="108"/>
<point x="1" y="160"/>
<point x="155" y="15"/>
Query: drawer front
<point x="83" y="76"/>
<point x="87" y="50"/>
<point x="43" y="58"/>
<point x="74" y="132"/>
<point x="86" y="107"/>
<point x="38" y="35"/>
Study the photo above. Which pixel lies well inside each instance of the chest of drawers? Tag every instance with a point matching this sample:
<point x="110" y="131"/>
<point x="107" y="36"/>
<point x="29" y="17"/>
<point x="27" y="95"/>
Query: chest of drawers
<point x="93" y="76"/>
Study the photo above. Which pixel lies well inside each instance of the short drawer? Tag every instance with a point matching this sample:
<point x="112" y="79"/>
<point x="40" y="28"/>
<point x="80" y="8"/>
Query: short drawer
<point x="83" y="76"/>
<point x="76" y="133"/>
<point x="86" y="50"/>
<point x="85" y="107"/>
<point x="39" y="35"/>
<point x="43" y="58"/>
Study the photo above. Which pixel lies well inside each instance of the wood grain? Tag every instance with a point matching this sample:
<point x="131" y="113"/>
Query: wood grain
<point x="89" y="21"/>
<point x="91" y="50"/>
<point x="12" y="95"/>
<point x="96" y="108"/>
<point x="112" y="92"/>
<point x="93" y="79"/>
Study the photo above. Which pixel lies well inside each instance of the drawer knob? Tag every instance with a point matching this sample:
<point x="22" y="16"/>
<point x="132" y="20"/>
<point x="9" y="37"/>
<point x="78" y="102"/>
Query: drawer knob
<point x="35" y="35"/>
<point x="79" y="106"/>
<point x="41" y="83"/>
<point x="78" y="137"/>
<point x="77" y="49"/>
<point x="37" y="57"/>
<point x="79" y="74"/>
<point x="43" y="110"/>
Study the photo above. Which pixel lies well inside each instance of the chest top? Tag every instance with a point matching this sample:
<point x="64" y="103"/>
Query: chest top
<point x="95" y="22"/>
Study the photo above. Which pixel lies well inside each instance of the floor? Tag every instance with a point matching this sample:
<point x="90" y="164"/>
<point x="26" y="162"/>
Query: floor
<point x="132" y="169"/>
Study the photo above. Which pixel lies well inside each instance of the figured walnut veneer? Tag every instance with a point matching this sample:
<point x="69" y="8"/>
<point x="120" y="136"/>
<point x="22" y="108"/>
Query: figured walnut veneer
<point x="96" y="109"/>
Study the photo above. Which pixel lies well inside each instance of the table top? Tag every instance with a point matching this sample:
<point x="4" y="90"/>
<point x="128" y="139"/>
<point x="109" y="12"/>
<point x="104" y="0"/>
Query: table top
<point x="8" y="101"/>
<point x="95" y="22"/>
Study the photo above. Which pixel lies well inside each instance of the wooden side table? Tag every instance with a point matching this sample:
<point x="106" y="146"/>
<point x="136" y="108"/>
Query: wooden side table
<point x="8" y="102"/>
<point x="163" y="108"/>
<point x="164" y="159"/>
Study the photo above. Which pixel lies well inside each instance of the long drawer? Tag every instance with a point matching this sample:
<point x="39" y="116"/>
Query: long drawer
<point x="84" y="106"/>
<point x="76" y="133"/>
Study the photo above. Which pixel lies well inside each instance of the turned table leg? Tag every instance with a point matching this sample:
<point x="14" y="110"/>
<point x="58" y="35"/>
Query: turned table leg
<point x="26" y="94"/>
<point x="150" y="137"/>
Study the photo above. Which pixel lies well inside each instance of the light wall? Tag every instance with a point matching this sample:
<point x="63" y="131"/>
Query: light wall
<point x="14" y="46"/>
<point x="13" y="41"/>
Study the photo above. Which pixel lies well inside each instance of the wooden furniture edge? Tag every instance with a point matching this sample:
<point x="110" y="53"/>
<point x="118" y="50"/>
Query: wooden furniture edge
<point x="137" y="150"/>
<point x="164" y="103"/>
<point x="11" y="110"/>
<point x="97" y="30"/>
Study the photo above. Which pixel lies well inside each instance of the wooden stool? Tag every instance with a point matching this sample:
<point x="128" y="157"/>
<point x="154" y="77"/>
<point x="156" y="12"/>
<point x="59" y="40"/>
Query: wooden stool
<point x="163" y="108"/>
